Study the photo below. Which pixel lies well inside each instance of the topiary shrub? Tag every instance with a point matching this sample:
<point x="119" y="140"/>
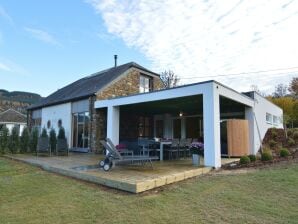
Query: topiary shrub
<point x="61" y="133"/>
<point x="24" y="141"/>
<point x="33" y="139"/>
<point x="284" y="152"/>
<point x="291" y="142"/>
<point x="252" y="158"/>
<point x="44" y="133"/>
<point x="14" y="140"/>
<point x="289" y="132"/>
<point x="295" y="136"/>
<point x="53" y="140"/>
<point x="266" y="155"/>
<point x="272" y="143"/>
<point x="244" y="160"/>
<point x="4" y="139"/>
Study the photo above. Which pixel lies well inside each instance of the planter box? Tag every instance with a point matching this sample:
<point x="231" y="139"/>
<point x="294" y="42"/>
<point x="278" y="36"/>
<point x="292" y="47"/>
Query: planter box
<point x="195" y="160"/>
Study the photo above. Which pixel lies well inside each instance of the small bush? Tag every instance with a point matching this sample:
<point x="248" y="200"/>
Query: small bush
<point x="274" y="134"/>
<point x="295" y="135"/>
<point x="252" y="158"/>
<point x="44" y="133"/>
<point x="61" y="133"/>
<point x="272" y="143"/>
<point x="284" y="152"/>
<point x="266" y="155"/>
<point x="291" y="142"/>
<point x="289" y="133"/>
<point x="244" y="160"/>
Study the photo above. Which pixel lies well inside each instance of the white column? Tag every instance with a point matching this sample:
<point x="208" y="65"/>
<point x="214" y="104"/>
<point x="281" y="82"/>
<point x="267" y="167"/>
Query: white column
<point x="183" y="127"/>
<point x="249" y="115"/>
<point x="113" y="124"/>
<point x="211" y="116"/>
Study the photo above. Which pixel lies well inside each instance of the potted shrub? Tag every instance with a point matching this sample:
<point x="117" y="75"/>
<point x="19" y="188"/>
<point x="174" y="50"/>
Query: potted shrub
<point x="53" y="140"/>
<point x="197" y="150"/>
<point x="43" y="143"/>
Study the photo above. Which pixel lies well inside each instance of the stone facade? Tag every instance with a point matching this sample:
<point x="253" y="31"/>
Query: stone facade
<point x="128" y="84"/>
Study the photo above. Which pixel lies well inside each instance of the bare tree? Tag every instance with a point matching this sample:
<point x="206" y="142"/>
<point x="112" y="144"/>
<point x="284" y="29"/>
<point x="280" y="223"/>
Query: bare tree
<point x="256" y="89"/>
<point x="280" y="90"/>
<point x="169" y="79"/>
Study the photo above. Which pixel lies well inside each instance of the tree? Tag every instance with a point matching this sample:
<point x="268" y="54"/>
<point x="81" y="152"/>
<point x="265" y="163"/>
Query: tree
<point x="33" y="139"/>
<point x="14" y="141"/>
<point x="293" y="88"/>
<point x="61" y="133"/>
<point x="280" y="90"/>
<point x="4" y="139"/>
<point x="24" y="141"/>
<point x="256" y="89"/>
<point x="169" y="79"/>
<point x="53" y="140"/>
<point x="44" y="133"/>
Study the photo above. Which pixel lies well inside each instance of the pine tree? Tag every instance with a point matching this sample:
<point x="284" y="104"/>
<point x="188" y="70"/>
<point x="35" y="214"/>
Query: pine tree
<point x="14" y="140"/>
<point x="33" y="139"/>
<point x="53" y="140"/>
<point x="25" y="140"/>
<point x="4" y="138"/>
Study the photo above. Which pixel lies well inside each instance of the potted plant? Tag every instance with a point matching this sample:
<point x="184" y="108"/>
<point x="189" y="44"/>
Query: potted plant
<point x="62" y="146"/>
<point x="197" y="150"/>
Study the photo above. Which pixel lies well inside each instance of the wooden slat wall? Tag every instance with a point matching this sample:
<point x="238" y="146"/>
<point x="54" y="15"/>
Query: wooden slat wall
<point x="238" y="137"/>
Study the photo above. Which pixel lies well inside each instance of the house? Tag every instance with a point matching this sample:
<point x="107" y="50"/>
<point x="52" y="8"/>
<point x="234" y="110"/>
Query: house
<point x="128" y="101"/>
<point x="12" y="118"/>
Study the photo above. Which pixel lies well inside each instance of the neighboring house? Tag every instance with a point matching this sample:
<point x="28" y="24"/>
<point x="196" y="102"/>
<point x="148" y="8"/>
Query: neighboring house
<point x="128" y="102"/>
<point x="12" y="118"/>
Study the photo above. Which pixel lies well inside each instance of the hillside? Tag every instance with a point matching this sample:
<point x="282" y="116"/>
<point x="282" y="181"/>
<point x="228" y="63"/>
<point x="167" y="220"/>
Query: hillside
<point x="17" y="100"/>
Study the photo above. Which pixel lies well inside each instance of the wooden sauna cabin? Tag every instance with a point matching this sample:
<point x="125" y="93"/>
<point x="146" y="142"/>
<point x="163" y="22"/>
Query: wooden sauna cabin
<point x="234" y="137"/>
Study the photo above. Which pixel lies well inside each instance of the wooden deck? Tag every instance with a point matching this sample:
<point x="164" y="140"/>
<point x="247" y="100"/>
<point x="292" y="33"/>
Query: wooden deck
<point x="132" y="178"/>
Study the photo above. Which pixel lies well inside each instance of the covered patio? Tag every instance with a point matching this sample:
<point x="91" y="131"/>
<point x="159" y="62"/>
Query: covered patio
<point x="132" y="178"/>
<point x="193" y="111"/>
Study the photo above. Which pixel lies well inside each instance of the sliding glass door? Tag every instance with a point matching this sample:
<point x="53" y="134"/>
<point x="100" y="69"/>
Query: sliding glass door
<point x="80" y="138"/>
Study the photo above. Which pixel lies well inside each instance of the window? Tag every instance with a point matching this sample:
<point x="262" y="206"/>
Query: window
<point x="275" y="120"/>
<point x="269" y="118"/>
<point x="145" y="84"/>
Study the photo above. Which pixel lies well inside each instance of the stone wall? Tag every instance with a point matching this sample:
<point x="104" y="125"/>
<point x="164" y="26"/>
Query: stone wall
<point x="127" y="85"/>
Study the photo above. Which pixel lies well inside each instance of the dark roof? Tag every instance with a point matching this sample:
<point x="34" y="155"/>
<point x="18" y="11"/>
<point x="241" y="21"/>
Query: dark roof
<point x="14" y="116"/>
<point x="87" y="86"/>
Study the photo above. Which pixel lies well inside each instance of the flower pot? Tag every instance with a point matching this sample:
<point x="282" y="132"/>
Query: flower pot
<point x="195" y="160"/>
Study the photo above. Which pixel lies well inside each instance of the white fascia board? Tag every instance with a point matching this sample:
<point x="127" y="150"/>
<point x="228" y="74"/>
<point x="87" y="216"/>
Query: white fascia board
<point x="234" y="95"/>
<point x="155" y="96"/>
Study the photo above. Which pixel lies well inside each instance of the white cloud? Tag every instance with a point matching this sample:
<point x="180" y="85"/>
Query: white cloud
<point x="42" y="36"/>
<point x="5" y="15"/>
<point x="205" y="38"/>
<point x="4" y="67"/>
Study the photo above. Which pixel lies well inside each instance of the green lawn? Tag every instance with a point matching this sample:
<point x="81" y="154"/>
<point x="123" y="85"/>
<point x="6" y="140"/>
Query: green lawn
<point x="30" y="195"/>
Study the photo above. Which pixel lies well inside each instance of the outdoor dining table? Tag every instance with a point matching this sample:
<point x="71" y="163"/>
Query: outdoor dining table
<point x="162" y="143"/>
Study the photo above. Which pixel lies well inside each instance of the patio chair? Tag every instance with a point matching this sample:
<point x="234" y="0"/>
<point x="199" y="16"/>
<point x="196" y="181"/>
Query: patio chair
<point x="62" y="147"/>
<point x="43" y="146"/>
<point x="113" y="157"/>
<point x="123" y="152"/>
<point x="174" y="148"/>
<point x="146" y="146"/>
<point x="184" y="146"/>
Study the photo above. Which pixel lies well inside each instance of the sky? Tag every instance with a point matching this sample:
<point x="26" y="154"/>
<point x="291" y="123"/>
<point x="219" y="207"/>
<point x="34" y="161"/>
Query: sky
<point x="45" y="45"/>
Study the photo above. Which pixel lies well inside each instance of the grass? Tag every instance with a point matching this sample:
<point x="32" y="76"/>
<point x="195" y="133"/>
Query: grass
<point x="30" y="195"/>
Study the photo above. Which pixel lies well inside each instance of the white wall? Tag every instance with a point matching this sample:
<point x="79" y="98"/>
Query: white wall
<point x="11" y="125"/>
<point x="257" y="119"/>
<point x="53" y="114"/>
